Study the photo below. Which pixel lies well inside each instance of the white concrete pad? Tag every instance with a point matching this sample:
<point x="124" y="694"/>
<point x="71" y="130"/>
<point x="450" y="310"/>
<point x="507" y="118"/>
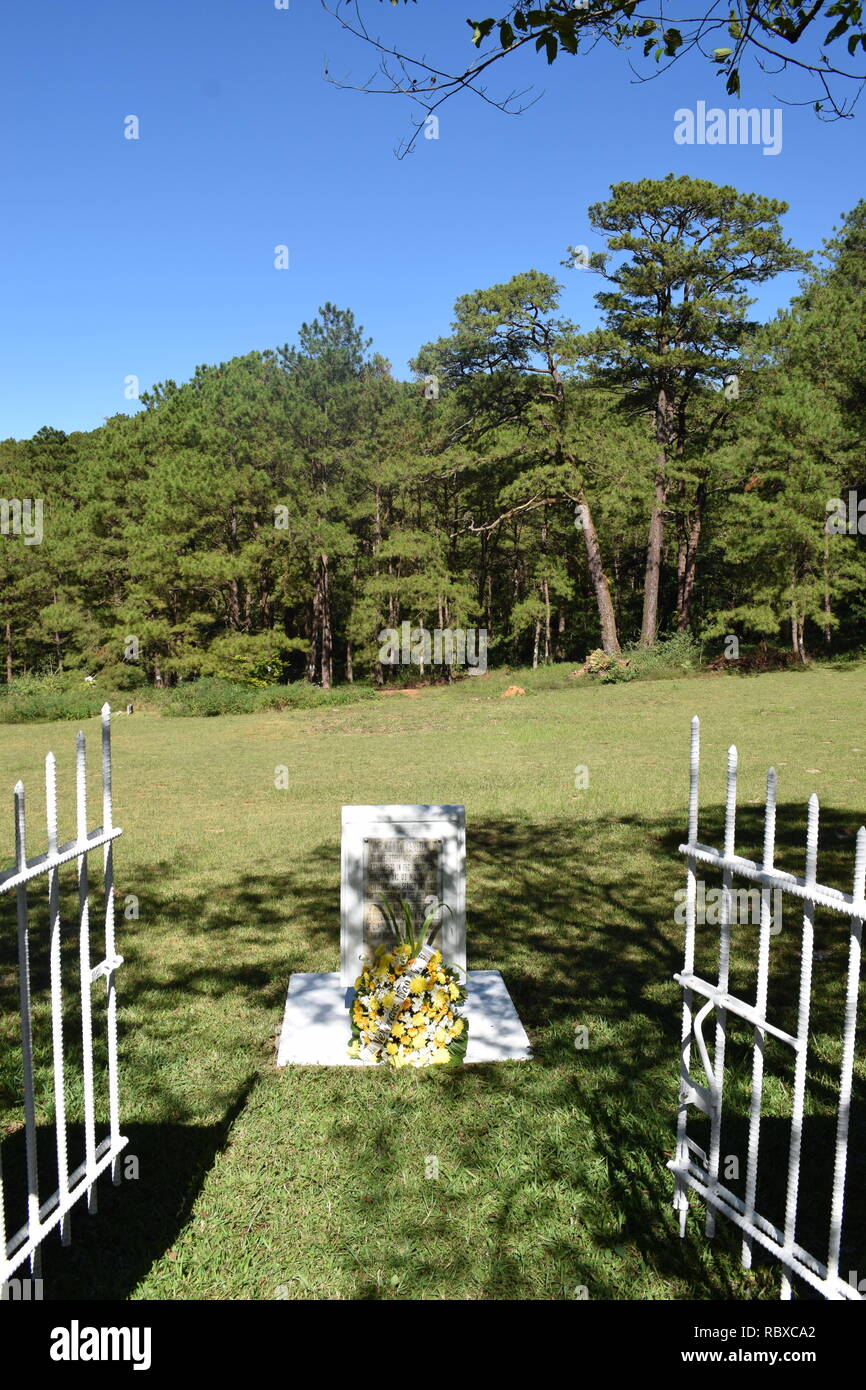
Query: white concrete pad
<point x="316" y="1027"/>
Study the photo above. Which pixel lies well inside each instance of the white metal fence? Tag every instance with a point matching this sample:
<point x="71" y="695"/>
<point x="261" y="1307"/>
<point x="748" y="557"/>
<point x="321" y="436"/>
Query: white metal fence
<point x="702" y="1176"/>
<point x="43" y="1216"/>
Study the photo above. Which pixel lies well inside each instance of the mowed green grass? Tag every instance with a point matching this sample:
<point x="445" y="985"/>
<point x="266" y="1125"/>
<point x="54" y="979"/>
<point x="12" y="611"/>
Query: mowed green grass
<point x="310" y="1183"/>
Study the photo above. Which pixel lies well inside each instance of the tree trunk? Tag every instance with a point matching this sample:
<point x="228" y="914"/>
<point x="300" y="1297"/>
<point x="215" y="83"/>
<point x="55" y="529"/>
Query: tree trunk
<point x="545" y="587"/>
<point x="649" y="625"/>
<point x="8" y="653"/>
<point x="313" y="629"/>
<point x="535" y="643"/>
<point x="828" y="610"/>
<point x="325" y="619"/>
<point x="687" y="558"/>
<point x="607" y="618"/>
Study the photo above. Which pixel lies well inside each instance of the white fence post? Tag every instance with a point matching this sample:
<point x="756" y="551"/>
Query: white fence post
<point x="847" y="1068"/>
<point x="42" y="1217"/>
<point x="681" y="1200"/>
<point x="26" y="1031"/>
<point x="112" y="960"/>
<point x="84" y="967"/>
<point x="759" y="1037"/>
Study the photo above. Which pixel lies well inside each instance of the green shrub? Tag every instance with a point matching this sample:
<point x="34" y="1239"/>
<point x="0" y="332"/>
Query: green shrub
<point x="208" y="697"/>
<point x="43" y="699"/>
<point x="123" y="675"/>
<point x="211" y="696"/>
<point x="616" y="674"/>
<point x="670" y="656"/>
<point x="260" y="660"/>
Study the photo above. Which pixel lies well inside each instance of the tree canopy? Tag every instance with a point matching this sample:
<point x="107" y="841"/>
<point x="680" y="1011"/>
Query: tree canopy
<point x="679" y="469"/>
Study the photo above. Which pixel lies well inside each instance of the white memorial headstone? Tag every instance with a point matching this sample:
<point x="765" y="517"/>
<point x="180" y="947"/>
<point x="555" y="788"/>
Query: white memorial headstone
<point x="416" y="854"/>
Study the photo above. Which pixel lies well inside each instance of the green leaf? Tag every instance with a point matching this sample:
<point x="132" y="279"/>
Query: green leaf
<point x="506" y="35"/>
<point x="838" y="30"/>
<point x="721" y="54"/>
<point x="646" y="26"/>
<point x="457" y="1048"/>
<point x="673" y="40"/>
<point x="547" y="42"/>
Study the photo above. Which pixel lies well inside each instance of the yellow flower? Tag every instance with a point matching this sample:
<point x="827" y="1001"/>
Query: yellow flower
<point x="354" y="1047"/>
<point x="417" y="985"/>
<point x="441" y="1055"/>
<point x="387" y="960"/>
<point x="398" y="1029"/>
<point x="458" y="1027"/>
<point x="388" y="999"/>
<point x="441" y="1036"/>
<point x="453" y="990"/>
<point x="359" y="982"/>
<point x="391" y="1047"/>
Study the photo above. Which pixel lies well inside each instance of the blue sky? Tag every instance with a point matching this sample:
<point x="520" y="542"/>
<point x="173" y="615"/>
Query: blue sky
<point x="147" y="257"/>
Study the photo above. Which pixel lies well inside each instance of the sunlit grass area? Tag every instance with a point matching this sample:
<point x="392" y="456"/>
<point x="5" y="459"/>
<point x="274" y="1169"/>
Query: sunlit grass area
<point x="310" y="1182"/>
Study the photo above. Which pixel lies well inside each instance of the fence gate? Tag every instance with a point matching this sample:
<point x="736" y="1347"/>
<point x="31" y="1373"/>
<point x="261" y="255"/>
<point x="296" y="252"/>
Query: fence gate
<point x="43" y="1216"/>
<point x="703" y="1176"/>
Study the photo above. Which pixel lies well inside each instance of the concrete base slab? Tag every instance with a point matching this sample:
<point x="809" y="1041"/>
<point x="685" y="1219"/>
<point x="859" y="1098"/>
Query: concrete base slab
<point x="316" y="1027"/>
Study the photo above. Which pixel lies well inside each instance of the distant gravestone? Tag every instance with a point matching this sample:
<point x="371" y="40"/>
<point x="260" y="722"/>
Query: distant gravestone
<point x="413" y="853"/>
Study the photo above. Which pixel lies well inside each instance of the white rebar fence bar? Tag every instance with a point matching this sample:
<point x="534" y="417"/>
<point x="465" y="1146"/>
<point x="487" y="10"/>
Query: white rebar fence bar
<point x="696" y="1170"/>
<point x="43" y="1216"/>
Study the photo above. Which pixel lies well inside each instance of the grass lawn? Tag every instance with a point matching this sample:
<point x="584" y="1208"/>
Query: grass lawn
<point x="310" y="1182"/>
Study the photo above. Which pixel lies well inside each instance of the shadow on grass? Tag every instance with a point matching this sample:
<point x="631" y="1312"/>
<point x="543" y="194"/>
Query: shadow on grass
<point x="579" y="916"/>
<point x="138" y="1220"/>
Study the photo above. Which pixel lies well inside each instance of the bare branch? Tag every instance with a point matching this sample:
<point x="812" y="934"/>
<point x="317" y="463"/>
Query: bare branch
<point x="761" y="29"/>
